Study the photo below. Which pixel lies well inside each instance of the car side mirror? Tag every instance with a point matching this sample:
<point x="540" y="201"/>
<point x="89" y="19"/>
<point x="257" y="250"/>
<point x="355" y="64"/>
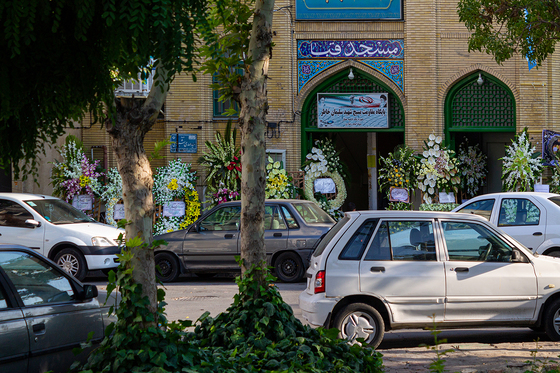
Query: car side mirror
<point x="33" y="223"/>
<point x="194" y="228"/>
<point x="516" y="257"/>
<point x="88" y="292"/>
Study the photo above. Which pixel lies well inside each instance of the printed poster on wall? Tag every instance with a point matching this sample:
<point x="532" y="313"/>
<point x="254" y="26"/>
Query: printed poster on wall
<point x="352" y="110"/>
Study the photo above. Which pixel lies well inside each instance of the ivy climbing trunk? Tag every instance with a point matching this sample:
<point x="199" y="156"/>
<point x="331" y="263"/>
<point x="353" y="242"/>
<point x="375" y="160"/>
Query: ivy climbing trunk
<point x="252" y="117"/>
<point x="134" y="118"/>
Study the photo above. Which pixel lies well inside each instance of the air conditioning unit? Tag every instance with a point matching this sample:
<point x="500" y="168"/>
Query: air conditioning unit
<point x="137" y="88"/>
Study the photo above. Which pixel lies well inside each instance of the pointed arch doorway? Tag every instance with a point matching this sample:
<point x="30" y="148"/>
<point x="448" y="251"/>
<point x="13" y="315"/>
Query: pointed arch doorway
<point x="481" y="109"/>
<point x="359" y="147"/>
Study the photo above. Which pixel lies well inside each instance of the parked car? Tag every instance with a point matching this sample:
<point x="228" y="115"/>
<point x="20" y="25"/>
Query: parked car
<point x="531" y="218"/>
<point x="380" y="270"/>
<point x="54" y="228"/>
<point x="44" y="313"/>
<point x="209" y="246"/>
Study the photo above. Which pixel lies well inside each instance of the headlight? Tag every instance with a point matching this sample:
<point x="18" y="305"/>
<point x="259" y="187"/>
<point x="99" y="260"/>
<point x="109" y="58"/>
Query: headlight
<point x="102" y="241"/>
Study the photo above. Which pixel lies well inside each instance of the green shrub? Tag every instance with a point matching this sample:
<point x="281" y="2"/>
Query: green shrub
<point x="261" y="334"/>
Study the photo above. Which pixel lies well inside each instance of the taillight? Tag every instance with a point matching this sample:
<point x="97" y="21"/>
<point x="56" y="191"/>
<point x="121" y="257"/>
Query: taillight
<point x="320" y="282"/>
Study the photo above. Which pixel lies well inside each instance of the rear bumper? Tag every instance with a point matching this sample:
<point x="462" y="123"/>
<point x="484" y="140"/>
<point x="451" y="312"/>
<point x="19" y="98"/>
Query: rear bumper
<point x="315" y="309"/>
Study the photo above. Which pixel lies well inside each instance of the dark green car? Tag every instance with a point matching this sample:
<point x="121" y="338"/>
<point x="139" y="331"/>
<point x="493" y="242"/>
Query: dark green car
<point x="210" y="245"/>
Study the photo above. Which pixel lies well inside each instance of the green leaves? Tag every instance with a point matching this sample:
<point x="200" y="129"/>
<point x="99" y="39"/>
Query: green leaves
<point x="505" y="27"/>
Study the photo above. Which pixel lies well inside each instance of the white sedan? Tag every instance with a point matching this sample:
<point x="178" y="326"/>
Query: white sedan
<point x="381" y="270"/>
<point x="531" y="218"/>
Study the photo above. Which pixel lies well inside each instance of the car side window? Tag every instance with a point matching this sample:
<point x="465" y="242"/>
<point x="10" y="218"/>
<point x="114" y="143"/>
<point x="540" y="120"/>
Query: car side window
<point x="36" y="281"/>
<point x="403" y="240"/>
<point x="518" y="211"/>
<point x="292" y="223"/>
<point x="13" y="215"/>
<point x="3" y="300"/>
<point x="273" y="219"/>
<point x="224" y="219"/>
<point x="357" y="243"/>
<point x="475" y="243"/>
<point x="482" y="208"/>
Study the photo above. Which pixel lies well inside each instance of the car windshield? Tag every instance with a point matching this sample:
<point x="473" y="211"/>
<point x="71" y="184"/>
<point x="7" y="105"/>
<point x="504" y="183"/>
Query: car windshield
<point x="312" y="213"/>
<point x="57" y="211"/>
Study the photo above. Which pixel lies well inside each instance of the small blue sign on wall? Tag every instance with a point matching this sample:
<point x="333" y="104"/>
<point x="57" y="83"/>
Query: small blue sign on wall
<point x="348" y="10"/>
<point x="184" y="143"/>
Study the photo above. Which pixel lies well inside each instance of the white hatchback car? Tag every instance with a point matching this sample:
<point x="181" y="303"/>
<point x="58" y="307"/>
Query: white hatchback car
<point x="56" y="229"/>
<point x="532" y="218"/>
<point x="381" y="270"/>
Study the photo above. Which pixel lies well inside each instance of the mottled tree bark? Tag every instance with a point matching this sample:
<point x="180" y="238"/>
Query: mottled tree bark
<point x="134" y="118"/>
<point x="252" y="117"/>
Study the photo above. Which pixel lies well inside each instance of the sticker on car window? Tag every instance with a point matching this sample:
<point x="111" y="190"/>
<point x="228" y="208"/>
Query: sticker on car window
<point x="31" y="204"/>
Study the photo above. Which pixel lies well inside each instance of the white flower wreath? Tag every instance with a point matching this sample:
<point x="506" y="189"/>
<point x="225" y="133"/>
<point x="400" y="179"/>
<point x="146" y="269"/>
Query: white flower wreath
<point x="112" y="194"/>
<point x="308" y="188"/>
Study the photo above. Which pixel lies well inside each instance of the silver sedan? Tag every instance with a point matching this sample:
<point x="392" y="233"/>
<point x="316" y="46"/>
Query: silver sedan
<point x="210" y="245"/>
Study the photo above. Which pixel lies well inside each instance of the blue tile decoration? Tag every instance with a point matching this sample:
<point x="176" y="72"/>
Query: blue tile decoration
<point x="391" y="69"/>
<point x="393" y="48"/>
<point x="307" y="69"/>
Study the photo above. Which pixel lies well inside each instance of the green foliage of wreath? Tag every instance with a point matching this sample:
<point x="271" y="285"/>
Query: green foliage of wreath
<point x="309" y="191"/>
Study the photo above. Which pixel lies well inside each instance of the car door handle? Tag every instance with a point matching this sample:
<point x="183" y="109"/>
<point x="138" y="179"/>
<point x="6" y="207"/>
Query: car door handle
<point x="377" y="269"/>
<point x="537" y="234"/>
<point x="461" y="269"/>
<point x="39" y="328"/>
<point x="277" y="234"/>
<point x="228" y="235"/>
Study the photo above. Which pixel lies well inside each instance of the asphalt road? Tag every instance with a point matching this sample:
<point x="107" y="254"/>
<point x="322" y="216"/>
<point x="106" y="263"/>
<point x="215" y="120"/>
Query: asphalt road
<point x="474" y="350"/>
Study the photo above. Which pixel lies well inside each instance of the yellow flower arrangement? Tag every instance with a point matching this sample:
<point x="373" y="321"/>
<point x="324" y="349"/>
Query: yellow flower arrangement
<point x="84" y="181"/>
<point x="173" y="184"/>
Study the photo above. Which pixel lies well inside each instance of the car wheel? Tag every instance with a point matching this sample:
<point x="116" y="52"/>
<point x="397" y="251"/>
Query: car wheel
<point x="205" y="274"/>
<point x="288" y="267"/>
<point x="73" y="262"/>
<point x="168" y="267"/>
<point x="551" y="320"/>
<point x="554" y="253"/>
<point x="360" y="320"/>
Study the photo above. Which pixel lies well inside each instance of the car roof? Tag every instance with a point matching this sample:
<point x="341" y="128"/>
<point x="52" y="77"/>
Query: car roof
<point x="537" y="194"/>
<point x="416" y="214"/>
<point x="24" y="196"/>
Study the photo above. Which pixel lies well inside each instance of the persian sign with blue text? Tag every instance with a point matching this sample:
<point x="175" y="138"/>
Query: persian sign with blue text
<point x="352" y="110"/>
<point x="348" y="9"/>
<point x="393" y="48"/>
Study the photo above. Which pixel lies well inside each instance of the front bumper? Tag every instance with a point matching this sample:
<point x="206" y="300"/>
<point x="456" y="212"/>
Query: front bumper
<point x="315" y="309"/>
<point x="101" y="261"/>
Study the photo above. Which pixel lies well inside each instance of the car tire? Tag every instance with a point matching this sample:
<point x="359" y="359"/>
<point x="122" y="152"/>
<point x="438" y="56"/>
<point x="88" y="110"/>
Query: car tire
<point x="554" y="253"/>
<point x="551" y="320"/>
<point x="73" y="262"/>
<point x="288" y="267"/>
<point x="360" y="320"/>
<point x="168" y="267"/>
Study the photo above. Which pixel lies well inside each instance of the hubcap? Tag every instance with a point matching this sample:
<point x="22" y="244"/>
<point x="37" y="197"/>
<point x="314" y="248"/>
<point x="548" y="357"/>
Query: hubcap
<point x="358" y="325"/>
<point x="289" y="267"/>
<point x="164" y="268"/>
<point x="557" y="322"/>
<point x="69" y="263"/>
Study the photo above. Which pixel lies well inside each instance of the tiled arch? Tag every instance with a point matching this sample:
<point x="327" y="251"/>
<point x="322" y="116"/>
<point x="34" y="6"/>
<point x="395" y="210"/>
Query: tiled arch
<point x="324" y="75"/>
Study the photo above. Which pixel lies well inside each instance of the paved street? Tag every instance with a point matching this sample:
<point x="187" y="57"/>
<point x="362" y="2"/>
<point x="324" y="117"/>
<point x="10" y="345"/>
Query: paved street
<point x="487" y="350"/>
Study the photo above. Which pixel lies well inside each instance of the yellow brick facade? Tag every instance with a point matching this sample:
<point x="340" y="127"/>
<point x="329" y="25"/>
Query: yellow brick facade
<point x="436" y="58"/>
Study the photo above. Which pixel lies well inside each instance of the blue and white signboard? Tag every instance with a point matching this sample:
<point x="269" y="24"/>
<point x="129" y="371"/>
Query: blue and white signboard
<point x="348" y="9"/>
<point x="183" y="143"/>
<point x="352" y="110"/>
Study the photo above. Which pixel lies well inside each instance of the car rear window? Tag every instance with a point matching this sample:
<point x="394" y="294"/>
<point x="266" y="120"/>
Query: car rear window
<point x="323" y="242"/>
<point x="311" y="213"/>
<point x="555" y="200"/>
